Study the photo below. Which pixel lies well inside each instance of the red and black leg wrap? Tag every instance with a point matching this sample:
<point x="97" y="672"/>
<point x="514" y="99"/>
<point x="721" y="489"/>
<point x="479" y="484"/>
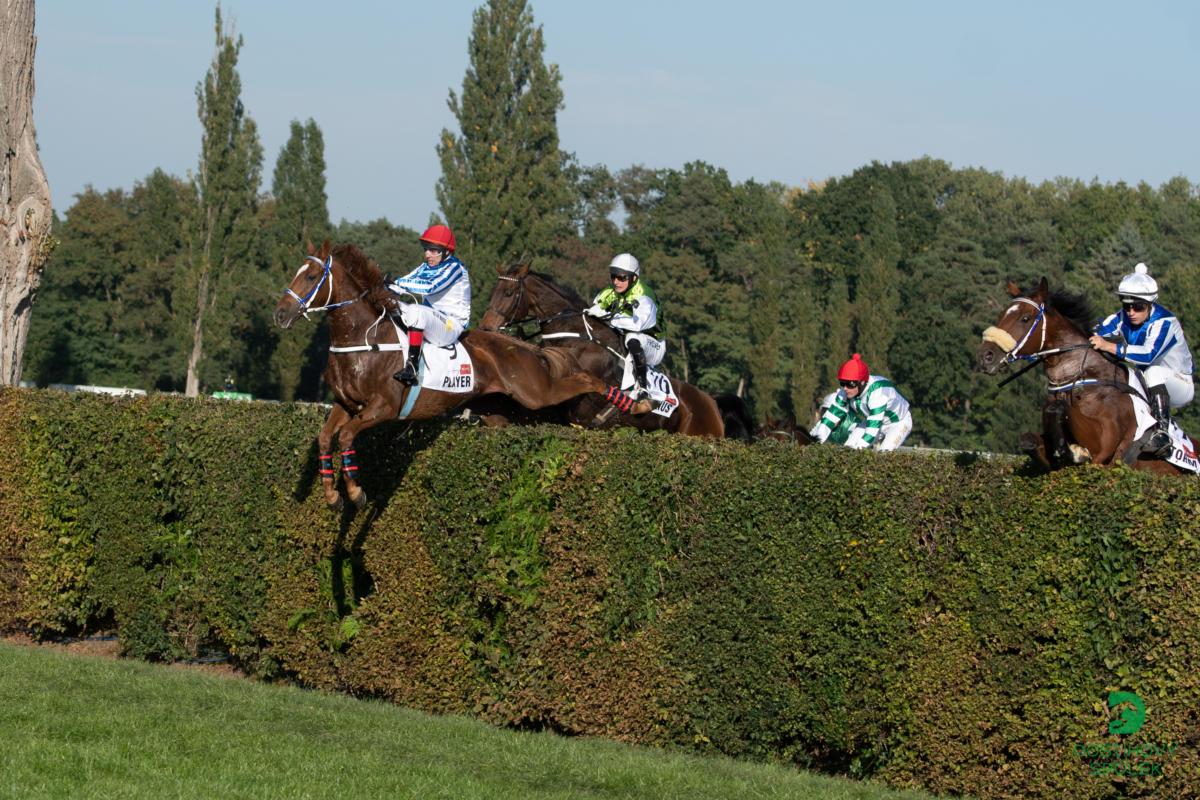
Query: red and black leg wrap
<point x="326" y="469"/>
<point x="620" y="399"/>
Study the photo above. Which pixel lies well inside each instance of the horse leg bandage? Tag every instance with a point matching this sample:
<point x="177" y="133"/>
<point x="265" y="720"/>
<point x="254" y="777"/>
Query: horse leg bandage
<point x="620" y="399"/>
<point x="326" y="468"/>
<point x="349" y="468"/>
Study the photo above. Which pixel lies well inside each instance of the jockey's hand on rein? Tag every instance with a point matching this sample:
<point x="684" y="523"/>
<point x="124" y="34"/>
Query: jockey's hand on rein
<point x="385" y="299"/>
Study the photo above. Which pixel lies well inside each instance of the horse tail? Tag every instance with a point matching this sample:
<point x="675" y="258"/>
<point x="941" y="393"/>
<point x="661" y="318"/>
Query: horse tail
<point x="736" y="416"/>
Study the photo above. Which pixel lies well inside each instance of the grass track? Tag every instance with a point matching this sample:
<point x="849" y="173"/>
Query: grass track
<point x="76" y="726"/>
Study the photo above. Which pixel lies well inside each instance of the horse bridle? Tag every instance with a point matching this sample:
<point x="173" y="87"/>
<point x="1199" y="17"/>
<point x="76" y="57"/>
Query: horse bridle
<point x="1013" y="355"/>
<point x="326" y="275"/>
<point x="541" y="321"/>
<point x="520" y="281"/>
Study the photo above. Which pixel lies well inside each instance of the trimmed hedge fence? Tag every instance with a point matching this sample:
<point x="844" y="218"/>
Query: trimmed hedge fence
<point x="944" y="623"/>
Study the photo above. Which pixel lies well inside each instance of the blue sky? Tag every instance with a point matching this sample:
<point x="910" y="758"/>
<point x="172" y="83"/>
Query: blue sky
<point x="776" y="91"/>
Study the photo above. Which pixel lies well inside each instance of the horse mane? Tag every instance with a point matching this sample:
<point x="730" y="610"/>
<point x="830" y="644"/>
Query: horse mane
<point x="1075" y="307"/>
<point x="361" y="268"/>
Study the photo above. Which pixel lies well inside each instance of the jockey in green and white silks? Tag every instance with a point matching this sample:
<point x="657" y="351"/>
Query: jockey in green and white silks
<point x="877" y="412"/>
<point x="631" y="306"/>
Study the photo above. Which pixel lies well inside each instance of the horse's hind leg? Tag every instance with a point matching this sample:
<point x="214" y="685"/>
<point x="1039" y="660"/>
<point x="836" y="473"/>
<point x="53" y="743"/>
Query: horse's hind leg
<point x="337" y="418"/>
<point x="551" y="392"/>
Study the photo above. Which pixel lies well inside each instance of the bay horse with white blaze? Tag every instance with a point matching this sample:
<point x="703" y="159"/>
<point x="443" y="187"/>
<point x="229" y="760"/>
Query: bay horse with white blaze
<point x="1091" y="401"/>
<point x="524" y="296"/>
<point x="366" y="351"/>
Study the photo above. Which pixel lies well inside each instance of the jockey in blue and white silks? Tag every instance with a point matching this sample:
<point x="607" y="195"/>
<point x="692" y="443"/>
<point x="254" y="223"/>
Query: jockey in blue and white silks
<point x="443" y="285"/>
<point x="1151" y="340"/>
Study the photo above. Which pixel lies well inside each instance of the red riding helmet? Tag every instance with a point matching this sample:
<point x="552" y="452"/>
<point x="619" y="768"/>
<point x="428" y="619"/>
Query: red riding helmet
<point x="853" y="370"/>
<point x="439" y="235"/>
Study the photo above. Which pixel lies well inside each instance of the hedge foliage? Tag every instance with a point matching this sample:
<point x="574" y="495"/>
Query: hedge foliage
<point x="948" y="623"/>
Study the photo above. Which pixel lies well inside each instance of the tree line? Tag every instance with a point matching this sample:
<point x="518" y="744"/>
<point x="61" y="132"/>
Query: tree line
<point x="766" y="288"/>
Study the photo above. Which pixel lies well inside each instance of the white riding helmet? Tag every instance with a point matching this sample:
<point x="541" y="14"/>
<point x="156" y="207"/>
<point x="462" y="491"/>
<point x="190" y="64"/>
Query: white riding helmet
<point x="1139" y="284"/>
<point x="625" y="263"/>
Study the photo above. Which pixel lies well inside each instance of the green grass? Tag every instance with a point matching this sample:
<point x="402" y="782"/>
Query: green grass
<point x="74" y="726"/>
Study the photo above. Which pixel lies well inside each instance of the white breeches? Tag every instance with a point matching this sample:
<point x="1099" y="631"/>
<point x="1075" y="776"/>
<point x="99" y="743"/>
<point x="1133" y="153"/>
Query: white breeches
<point x="892" y="436"/>
<point x="440" y="329"/>
<point x="654" y="349"/>
<point x="1179" y="386"/>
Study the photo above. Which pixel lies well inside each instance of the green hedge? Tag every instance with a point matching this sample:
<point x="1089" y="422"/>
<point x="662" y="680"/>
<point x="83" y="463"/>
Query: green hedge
<point x="930" y="621"/>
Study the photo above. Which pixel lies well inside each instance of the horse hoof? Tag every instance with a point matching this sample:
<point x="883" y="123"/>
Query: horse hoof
<point x="359" y="499"/>
<point x="641" y="407"/>
<point x="1029" y="442"/>
<point x="336" y="505"/>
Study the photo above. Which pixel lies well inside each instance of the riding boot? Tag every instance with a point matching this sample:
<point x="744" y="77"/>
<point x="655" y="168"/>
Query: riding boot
<point x="408" y="375"/>
<point x="1160" y="404"/>
<point x="639" y="367"/>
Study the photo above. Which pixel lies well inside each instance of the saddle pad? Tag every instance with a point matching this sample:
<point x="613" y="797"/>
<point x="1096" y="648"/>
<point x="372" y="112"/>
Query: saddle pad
<point x="658" y="386"/>
<point x="447" y="369"/>
<point x="1183" y="450"/>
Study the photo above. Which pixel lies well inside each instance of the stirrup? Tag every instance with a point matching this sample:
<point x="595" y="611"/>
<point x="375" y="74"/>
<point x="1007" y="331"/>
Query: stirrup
<point x="407" y="376"/>
<point x="1158" y="444"/>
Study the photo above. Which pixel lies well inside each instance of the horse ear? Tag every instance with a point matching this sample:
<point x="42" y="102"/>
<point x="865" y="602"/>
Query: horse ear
<point x="1013" y="289"/>
<point x="312" y="251"/>
<point x="522" y="270"/>
<point x="326" y="247"/>
<point x="500" y="270"/>
<point x="1043" y="288"/>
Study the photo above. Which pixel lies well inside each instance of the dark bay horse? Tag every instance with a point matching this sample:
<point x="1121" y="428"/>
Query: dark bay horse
<point x="341" y="281"/>
<point x="1092" y="390"/>
<point x="524" y="296"/>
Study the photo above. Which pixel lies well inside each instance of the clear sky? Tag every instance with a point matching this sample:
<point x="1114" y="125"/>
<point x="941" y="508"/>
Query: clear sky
<point x="787" y="91"/>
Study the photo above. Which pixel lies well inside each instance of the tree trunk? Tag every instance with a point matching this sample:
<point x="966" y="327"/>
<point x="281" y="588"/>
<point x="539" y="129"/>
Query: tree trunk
<point x="25" y="211"/>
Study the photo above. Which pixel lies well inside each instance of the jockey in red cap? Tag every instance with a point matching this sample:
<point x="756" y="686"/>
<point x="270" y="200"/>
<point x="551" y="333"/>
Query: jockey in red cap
<point x="442" y="286"/>
<point x="877" y="413"/>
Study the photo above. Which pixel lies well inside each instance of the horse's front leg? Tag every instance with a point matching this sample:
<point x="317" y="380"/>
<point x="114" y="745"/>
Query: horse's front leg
<point x="378" y="410"/>
<point x="337" y="418"/>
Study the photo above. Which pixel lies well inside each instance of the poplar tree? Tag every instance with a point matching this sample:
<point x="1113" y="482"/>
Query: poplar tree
<point x="877" y="299"/>
<point x="301" y="215"/>
<point x="504" y="189"/>
<point x="223" y="228"/>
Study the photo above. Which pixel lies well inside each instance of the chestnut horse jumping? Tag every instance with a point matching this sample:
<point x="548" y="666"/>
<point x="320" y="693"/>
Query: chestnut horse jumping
<point x="366" y="352"/>
<point x="524" y="296"/>
<point x="1091" y="403"/>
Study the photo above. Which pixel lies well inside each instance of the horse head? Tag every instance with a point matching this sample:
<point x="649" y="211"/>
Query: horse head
<point x="328" y="279"/>
<point x="510" y="302"/>
<point x="314" y="274"/>
<point x="1020" y="332"/>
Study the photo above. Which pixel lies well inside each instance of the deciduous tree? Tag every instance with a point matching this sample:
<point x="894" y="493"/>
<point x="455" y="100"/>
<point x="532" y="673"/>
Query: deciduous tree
<point x="224" y="229"/>
<point x="25" y="211"/>
<point x="504" y="189"/>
